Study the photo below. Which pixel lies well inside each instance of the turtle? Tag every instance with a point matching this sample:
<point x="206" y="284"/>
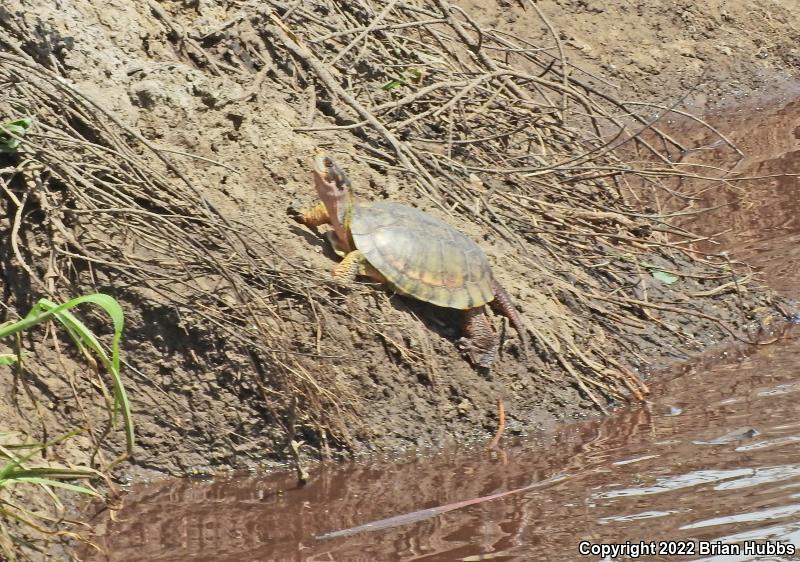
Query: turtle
<point x="416" y="254"/>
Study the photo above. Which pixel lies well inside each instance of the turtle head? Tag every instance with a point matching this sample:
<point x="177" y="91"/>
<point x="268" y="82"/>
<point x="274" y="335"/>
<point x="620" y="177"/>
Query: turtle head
<point x="333" y="188"/>
<point x="331" y="182"/>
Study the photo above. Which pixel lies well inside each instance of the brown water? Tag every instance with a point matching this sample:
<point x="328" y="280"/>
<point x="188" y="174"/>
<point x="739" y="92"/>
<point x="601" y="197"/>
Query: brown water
<point x="715" y="455"/>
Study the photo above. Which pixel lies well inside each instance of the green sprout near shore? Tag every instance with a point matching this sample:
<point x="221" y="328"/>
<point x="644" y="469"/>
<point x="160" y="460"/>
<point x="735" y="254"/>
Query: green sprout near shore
<point x="86" y="341"/>
<point x="11" y="133"/>
<point x="17" y="468"/>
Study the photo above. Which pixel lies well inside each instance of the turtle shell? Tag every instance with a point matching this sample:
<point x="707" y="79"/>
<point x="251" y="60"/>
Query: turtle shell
<point x="421" y="256"/>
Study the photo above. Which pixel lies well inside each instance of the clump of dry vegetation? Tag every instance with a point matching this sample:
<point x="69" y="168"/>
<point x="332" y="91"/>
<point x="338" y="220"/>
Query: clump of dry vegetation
<point x="495" y="127"/>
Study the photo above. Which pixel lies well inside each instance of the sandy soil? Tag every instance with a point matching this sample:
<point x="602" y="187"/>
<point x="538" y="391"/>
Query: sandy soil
<point x="720" y="54"/>
<point x="193" y="402"/>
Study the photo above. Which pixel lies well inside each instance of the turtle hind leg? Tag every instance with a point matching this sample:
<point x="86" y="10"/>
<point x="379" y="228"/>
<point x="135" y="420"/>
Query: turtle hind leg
<point x="479" y="342"/>
<point x="502" y="304"/>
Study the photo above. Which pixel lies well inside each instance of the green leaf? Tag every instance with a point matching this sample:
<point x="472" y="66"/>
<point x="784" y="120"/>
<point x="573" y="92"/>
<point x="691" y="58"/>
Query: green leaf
<point x="7" y="359"/>
<point x="415" y="74"/>
<point x="664" y="277"/>
<point x="54" y="472"/>
<point x="392" y="84"/>
<point x="11" y="133"/>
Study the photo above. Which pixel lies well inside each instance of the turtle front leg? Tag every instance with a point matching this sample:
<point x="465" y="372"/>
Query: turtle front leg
<point x="314" y="217"/>
<point x="502" y="304"/>
<point x="479" y="342"/>
<point x="353" y="264"/>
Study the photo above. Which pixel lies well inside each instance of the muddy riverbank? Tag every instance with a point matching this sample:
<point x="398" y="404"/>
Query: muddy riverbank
<point x="171" y="137"/>
<point x="709" y="466"/>
<point x="278" y="353"/>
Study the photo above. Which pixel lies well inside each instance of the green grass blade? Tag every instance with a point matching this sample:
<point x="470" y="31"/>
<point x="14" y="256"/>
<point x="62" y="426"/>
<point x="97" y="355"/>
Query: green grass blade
<point x="57" y="484"/>
<point x="87" y="338"/>
<point x="53" y="472"/>
<point x="6" y="450"/>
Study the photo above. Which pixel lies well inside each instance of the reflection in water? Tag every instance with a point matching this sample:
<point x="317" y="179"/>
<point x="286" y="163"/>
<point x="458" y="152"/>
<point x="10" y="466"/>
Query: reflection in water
<point x="679" y="482"/>
<point x="757" y="220"/>
<point x="715" y="456"/>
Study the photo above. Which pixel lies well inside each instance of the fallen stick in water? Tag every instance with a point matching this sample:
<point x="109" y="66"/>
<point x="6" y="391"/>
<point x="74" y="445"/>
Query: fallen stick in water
<point x="423" y="514"/>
